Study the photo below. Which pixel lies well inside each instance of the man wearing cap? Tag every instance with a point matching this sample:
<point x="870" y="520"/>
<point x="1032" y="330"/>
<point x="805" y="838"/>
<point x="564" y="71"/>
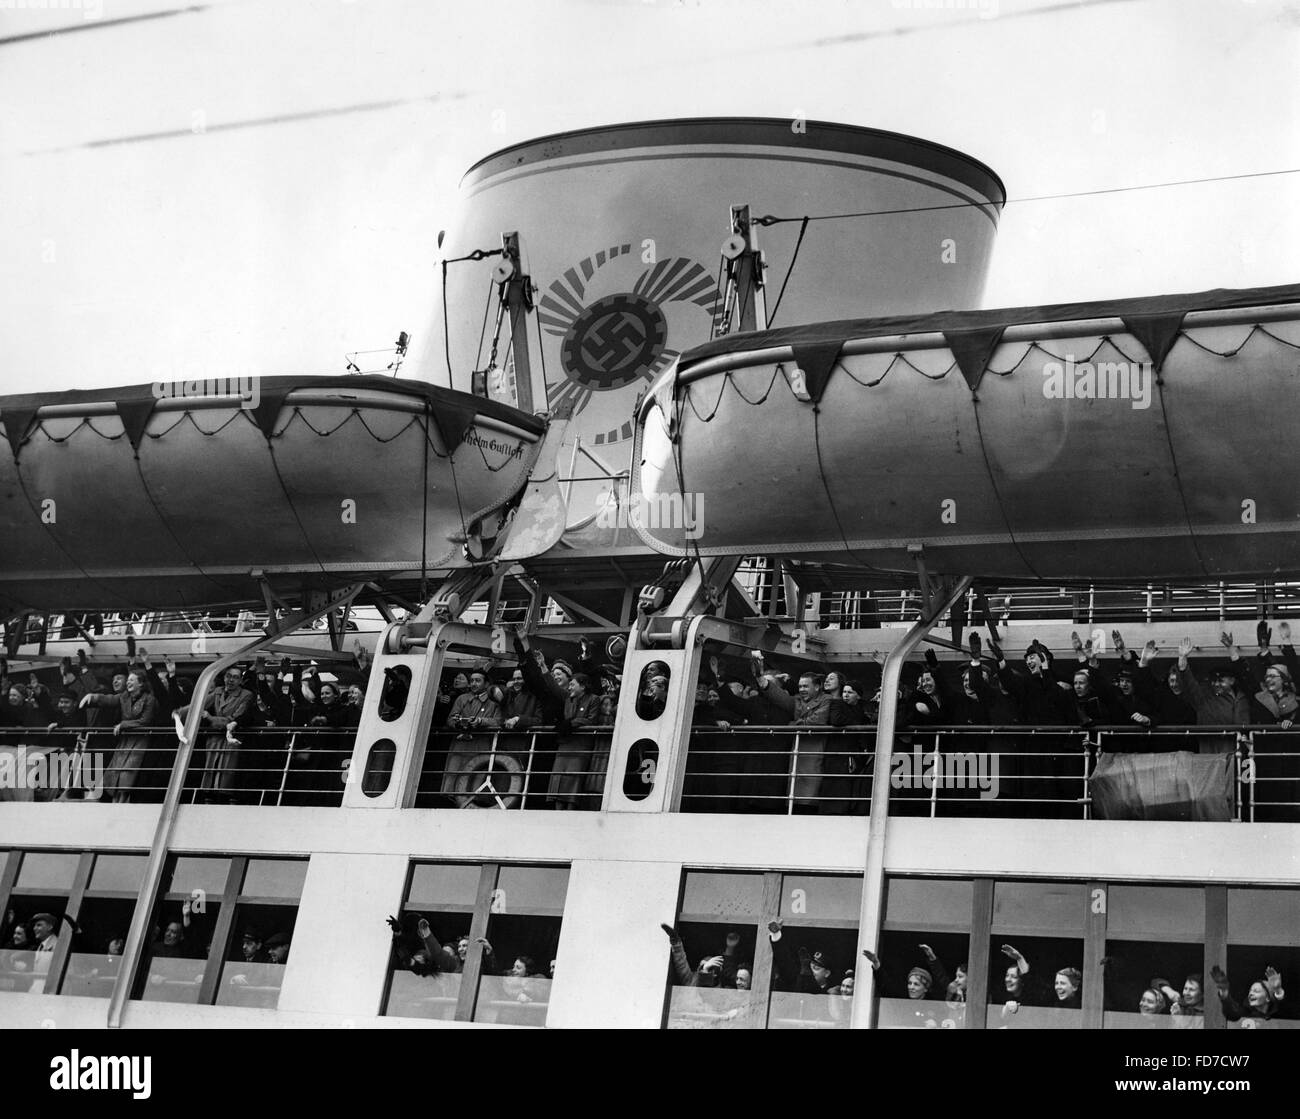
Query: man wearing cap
<point x="277" y="948"/>
<point x="807" y="971"/>
<point x="475" y="709"/>
<point x="251" y="947"/>
<point x="1219" y="705"/>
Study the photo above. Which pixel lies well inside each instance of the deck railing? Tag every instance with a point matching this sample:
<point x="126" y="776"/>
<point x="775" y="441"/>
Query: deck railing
<point x="1244" y="774"/>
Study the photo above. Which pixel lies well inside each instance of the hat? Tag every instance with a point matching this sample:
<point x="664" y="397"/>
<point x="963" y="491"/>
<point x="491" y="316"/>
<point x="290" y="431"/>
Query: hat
<point x="1228" y="669"/>
<point x="926" y="978"/>
<point x="277" y="940"/>
<point x="49" y="917"/>
<point x="251" y="933"/>
<point x="819" y="959"/>
<point x="1125" y="673"/>
<point x="563" y="665"/>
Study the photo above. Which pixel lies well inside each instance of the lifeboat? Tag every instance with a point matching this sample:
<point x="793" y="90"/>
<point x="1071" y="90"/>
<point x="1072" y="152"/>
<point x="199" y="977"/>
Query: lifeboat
<point x="169" y="496"/>
<point x="1140" y="439"/>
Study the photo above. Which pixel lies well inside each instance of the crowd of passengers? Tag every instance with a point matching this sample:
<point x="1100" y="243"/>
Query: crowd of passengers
<point x="1128" y="691"/>
<point x="416" y="948"/>
<point x="131" y="701"/>
<point x="940" y="997"/>
<point x="27" y="948"/>
<point x="1124" y="691"/>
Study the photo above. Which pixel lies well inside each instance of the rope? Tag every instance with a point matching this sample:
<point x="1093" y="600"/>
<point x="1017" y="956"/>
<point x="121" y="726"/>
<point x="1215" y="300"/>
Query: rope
<point x="424" y="513"/>
<point x="275" y="465"/>
<point x="803" y="228"/>
<point x="1178" y="482"/>
<point x="446" y="326"/>
<point x="546" y="387"/>
<point x="821" y="473"/>
<point x="777" y="372"/>
<point x="988" y="470"/>
<point x="1256" y="329"/>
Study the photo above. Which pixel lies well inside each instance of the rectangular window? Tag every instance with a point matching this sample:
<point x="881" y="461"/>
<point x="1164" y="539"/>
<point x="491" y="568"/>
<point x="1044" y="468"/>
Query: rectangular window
<point x="1155" y="958"/>
<point x="1263" y="960"/>
<point x="756" y="951"/>
<point x="1036" y="956"/>
<point x="924" y="954"/>
<point x="477" y="943"/>
<point x="222" y="931"/>
<point x="65" y="919"/>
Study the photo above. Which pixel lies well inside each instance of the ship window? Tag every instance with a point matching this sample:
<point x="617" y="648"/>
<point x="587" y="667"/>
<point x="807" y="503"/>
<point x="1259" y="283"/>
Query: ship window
<point x="196" y="951"/>
<point x="726" y="971"/>
<point x="1032" y="908"/>
<point x="440" y="965"/>
<point x="924" y="954"/>
<point x="1154" y="933"/>
<point x="91" y="904"/>
<point x="722" y="895"/>
<point x="206" y="875"/>
<point x="652" y="690"/>
<point x="118" y="872"/>
<point x="1047" y="996"/>
<point x="642" y="765"/>
<point x="441" y="884"/>
<point x="48" y="870"/>
<point x="275" y="878"/>
<point x="1038" y="926"/>
<point x="397" y="688"/>
<point x="379" y="768"/>
<point x="1263" y="934"/>
<point x="253" y="968"/>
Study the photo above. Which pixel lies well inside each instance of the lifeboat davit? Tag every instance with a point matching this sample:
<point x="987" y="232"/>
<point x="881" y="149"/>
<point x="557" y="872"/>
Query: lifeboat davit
<point x="167" y="496"/>
<point x="1133" y="439"/>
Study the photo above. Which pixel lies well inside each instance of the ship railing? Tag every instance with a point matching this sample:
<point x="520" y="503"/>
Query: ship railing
<point x="1245" y="774"/>
<point x="262" y="766"/>
<point x="1187" y="772"/>
<point x="534" y="768"/>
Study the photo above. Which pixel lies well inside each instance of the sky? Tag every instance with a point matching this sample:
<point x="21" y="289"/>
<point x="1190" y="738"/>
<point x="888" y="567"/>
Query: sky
<point x="257" y="187"/>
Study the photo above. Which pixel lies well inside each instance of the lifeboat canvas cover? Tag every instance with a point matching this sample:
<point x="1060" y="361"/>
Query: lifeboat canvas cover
<point x="155" y="496"/>
<point x="1101" y="440"/>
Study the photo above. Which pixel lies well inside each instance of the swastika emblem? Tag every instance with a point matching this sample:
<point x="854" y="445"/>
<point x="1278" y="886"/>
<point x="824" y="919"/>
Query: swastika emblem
<point x="614" y="342"/>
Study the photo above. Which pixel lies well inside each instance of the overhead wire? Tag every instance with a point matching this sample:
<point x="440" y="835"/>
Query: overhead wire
<point x="772" y="219"/>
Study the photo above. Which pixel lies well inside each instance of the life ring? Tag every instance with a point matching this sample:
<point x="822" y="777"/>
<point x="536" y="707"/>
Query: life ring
<point x="501" y="771"/>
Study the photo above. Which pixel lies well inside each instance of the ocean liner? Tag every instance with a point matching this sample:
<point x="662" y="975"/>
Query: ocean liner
<point x="707" y="412"/>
